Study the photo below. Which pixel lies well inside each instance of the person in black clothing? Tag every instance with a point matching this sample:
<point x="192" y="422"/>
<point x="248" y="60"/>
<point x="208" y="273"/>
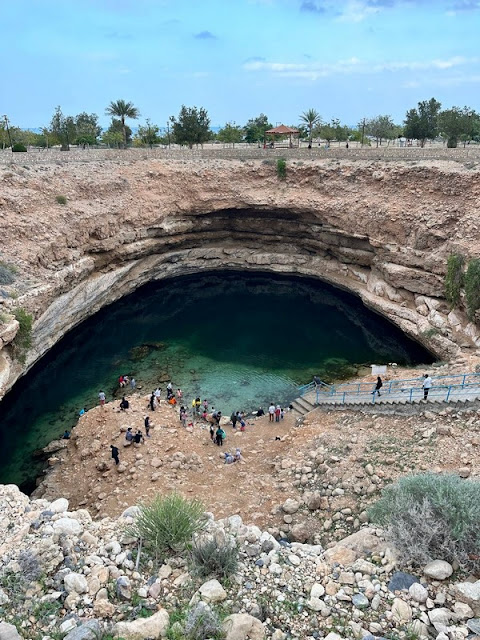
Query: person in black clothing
<point x="138" y="437"/>
<point x="115" y="454"/>
<point x="260" y="413"/>
<point x="152" y="401"/>
<point x="212" y="433"/>
<point x="147" y="426"/>
<point x="66" y="435"/>
<point x="124" y="404"/>
<point x="378" y="386"/>
<point x="233" y="418"/>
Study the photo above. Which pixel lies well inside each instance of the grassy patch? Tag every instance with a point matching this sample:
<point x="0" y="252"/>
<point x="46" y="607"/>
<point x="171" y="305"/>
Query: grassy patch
<point x="23" y="340"/>
<point x="281" y="168"/>
<point x="61" y="199"/>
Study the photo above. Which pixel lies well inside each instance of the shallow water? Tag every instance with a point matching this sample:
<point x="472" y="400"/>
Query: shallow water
<point x="239" y="340"/>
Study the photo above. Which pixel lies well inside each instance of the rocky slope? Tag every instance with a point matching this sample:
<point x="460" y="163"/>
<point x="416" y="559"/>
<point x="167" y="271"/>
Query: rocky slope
<point x="64" y="575"/>
<point x="382" y="231"/>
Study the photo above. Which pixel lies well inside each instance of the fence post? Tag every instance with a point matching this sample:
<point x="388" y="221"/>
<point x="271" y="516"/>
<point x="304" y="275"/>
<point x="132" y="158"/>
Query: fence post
<point x="448" y="394"/>
<point x="411" y="394"/>
<point x="390" y="386"/>
<point x="343" y="400"/>
<point x="463" y="381"/>
<point x="317" y="395"/>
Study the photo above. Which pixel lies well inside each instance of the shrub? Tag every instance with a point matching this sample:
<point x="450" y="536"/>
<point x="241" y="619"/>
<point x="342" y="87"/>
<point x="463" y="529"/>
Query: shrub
<point x="23" y="340"/>
<point x="18" y="146"/>
<point x="168" y="523"/>
<point x="61" y="200"/>
<point x="208" y="557"/>
<point x="281" y="168"/>
<point x="430" y="517"/>
<point x="454" y="278"/>
<point x="202" y="623"/>
<point x="472" y="287"/>
<point x="7" y="273"/>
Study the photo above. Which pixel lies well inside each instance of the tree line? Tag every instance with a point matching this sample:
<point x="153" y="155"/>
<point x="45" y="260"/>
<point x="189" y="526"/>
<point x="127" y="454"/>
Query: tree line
<point x="192" y="127"/>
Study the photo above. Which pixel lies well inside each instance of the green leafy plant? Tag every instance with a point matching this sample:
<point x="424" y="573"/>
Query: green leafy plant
<point x="168" y="523"/>
<point x="472" y="287"/>
<point x="430" y="333"/>
<point x="61" y="200"/>
<point x="19" y="147"/>
<point x="281" y="168"/>
<point x="430" y="516"/>
<point x="23" y="340"/>
<point x="201" y="623"/>
<point x="454" y="278"/>
<point x="208" y="557"/>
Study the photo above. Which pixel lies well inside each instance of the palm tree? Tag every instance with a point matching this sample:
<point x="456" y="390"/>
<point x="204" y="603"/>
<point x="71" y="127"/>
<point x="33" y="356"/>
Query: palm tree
<point x="122" y="110"/>
<point x="311" y="117"/>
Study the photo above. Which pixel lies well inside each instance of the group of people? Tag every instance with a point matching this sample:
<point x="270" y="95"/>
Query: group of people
<point x="275" y="413"/>
<point x="172" y="398"/>
<point x="426" y="386"/>
<point x="124" y="381"/>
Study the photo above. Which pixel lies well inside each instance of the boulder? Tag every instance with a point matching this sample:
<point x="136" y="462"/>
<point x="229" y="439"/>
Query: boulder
<point x="9" y="632"/>
<point x="290" y="506"/>
<point x="154" y="627"/>
<point x="401" y="611"/>
<point x="59" y="506"/>
<point x="90" y="630"/>
<point x="68" y="526"/>
<point x="212" y="591"/>
<point x="242" y="626"/>
<point x="418" y="592"/>
<point x="438" y="570"/>
<point x="401" y="581"/>
<point x="75" y="582"/>
<point x="469" y="593"/>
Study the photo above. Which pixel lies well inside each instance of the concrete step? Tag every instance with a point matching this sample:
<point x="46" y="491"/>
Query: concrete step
<point x="303" y="402"/>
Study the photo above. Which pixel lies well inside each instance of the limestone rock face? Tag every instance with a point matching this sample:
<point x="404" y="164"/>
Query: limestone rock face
<point x="147" y="228"/>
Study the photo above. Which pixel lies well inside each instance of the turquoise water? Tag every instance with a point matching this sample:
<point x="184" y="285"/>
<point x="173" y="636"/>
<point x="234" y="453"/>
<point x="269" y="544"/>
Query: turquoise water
<point x="241" y="341"/>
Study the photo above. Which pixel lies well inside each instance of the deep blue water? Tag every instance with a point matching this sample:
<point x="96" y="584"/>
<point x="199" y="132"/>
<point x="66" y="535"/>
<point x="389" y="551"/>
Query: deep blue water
<point x="240" y="340"/>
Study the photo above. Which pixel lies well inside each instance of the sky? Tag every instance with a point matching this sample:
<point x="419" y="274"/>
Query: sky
<point x="347" y="59"/>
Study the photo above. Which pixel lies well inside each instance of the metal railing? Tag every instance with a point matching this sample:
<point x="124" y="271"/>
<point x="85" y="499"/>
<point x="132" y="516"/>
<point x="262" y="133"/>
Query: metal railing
<point x="392" y="386"/>
<point x="320" y="386"/>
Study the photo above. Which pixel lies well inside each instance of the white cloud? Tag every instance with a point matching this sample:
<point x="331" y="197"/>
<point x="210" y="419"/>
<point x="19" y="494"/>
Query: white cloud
<point x="356" y="11"/>
<point x="314" y="70"/>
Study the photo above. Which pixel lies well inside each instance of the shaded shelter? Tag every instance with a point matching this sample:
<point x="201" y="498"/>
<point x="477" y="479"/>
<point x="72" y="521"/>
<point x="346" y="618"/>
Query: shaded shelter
<point x="282" y="130"/>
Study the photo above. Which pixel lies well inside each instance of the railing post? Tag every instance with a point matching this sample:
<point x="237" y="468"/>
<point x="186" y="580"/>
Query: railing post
<point x="411" y="394"/>
<point x="343" y="400"/>
<point x="390" y="386"/>
<point x="317" y="395"/>
<point x="373" y="398"/>
<point x="463" y="381"/>
<point x="448" y="394"/>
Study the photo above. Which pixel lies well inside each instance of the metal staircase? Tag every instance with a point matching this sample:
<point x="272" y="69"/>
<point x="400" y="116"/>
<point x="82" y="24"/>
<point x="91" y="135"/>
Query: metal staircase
<point x="462" y="388"/>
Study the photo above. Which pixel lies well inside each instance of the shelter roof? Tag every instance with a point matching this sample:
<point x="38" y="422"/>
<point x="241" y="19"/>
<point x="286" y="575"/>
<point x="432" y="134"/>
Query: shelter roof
<point x="282" y="129"/>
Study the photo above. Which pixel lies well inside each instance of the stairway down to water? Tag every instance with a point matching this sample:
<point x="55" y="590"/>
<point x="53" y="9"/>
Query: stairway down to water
<point x="445" y="390"/>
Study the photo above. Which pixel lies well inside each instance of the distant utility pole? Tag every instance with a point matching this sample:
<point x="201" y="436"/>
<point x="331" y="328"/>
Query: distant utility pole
<point x="363" y="130"/>
<point x="8" y="131"/>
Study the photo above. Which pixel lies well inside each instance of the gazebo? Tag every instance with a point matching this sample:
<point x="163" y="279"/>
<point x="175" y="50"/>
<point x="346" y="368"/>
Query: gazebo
<point x="281" y="130"/>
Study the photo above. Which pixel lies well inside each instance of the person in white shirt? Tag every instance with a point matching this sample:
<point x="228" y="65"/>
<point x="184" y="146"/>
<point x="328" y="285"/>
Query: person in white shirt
<point x="427" y="383"/>
<point x="271" y="412"/>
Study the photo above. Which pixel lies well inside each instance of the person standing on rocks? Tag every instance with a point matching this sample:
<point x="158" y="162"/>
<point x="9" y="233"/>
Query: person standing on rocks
<point x="146" y="423"/>
<point x="220" y="436"/>
<point x="271" y="412"/>
<point x="234" y="418"/>
<point x="115" y="454"/>
<point x="152" y="401"/>
<point x="278" y="411"/>
<point x="427" y="384"/>
<point x="378" y="386"/>
<point x="133" y="384"/>
<point x="158" y="393"/>
<point x="124" y="404"/>
<point x="101" y="397"/>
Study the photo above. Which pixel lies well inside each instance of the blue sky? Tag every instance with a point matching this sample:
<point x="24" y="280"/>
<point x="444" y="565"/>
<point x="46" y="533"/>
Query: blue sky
<point x="348" y="59"/>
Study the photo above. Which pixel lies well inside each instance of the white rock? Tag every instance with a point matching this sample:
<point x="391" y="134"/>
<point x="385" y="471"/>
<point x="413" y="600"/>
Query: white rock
<point x="59" y="506"/>
<point x="438" y="570"/>
<point x="212" y="591"/>
<point x="469" y="592"/>
<point x="290" y="506"/>
<point x="68" y="526"/>
<point x="401" y="611"/>
<point x="333" y="636"/>
<point x="317" y="590"/>
<point x="462" y="611"/>
<point x="418" y="592"/>
<point x="75" y="582"/>
<point x="68" y="625"/>
<point x="9" y="632"/>
<point x="242" y="626"/>
<point x="440" y="616"/>
<point x="153" y="627"/>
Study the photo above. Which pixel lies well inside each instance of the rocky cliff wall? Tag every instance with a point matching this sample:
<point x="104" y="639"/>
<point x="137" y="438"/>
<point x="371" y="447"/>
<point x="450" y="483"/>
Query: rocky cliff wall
<point x="382" y="231"/>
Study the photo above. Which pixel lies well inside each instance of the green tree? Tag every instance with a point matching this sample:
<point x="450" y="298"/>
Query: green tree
<point x="311" y="118"/>
<point x="63" y="128"/>
<point x="116" y="127"/>
<point x="230" y="134"/>
<point x="422" y="123"/>
<point x="112" y="138"/>
<point x="192" y="126"/>
<point x="472" y="287"/>
<point x="456" y="124"/>
<point x="122" y="110"/>
<point x="147" y="135"/>
<point x="380" y="128"/>
<point x="87" y="128"/>
<point x="255" y="128"/>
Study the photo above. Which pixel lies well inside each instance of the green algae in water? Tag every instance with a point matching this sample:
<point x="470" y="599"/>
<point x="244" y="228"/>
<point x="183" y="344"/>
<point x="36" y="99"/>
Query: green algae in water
<point x="239" y="340"/>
